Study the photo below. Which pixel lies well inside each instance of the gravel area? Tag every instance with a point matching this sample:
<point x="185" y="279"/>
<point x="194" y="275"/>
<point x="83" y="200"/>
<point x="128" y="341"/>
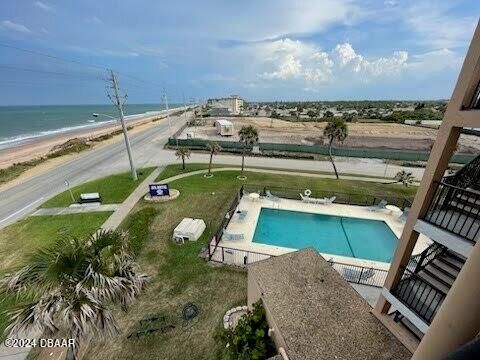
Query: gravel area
<point x="361" y="135"/>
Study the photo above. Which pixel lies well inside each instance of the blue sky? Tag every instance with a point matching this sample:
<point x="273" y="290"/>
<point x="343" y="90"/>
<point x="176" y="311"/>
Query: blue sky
<point x="261" y="50"/>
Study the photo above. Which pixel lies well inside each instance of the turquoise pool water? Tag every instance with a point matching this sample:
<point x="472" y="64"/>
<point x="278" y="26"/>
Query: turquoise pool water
<point x="336" y="235"/>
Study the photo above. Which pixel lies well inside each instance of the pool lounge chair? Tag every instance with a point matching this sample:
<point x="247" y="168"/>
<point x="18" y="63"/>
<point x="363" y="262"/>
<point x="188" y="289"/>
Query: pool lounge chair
<point x="380" y="206"/>
<point x="242" y="214"/>
<point x="232" y="236"/>
<point x="354" y="275"/>
<point x="305" y="198"/>
<point x="403" y="217"/>
<point x="274" y="199"/>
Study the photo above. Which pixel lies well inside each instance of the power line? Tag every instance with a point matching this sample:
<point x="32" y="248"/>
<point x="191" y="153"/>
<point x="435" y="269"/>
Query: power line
<point x="52" y="56"/>
<point x="48" y="72"/>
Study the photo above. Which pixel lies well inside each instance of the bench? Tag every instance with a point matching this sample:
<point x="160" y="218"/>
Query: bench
<point x="90" y="198"/>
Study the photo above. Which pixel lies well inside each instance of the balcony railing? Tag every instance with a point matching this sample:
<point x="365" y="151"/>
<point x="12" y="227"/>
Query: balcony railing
<point x="456" y="210"/>
<point x="421" y="297"/>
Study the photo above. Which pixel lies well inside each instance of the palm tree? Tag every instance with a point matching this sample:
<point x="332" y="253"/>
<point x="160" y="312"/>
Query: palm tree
<point x="214" y="148"/>
<point x="404" y="177"/>
<point x="335" y="130"/>
<point x="248" y="136"/>
<point x="183" y="153"/>
<point x="74" y="284"/>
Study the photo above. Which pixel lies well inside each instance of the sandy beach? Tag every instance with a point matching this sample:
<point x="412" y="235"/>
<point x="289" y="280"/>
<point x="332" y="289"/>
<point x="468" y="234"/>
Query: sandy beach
<point x="39" y="147"/>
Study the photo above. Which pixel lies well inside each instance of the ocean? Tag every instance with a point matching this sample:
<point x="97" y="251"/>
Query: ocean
<point x="20" y="124"/>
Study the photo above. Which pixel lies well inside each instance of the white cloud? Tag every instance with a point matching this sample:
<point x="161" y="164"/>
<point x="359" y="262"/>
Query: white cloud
<point x="17" y="27"/>
<point x="306" y="62"/>
<point x="43" y="6"/>
<point x="435" y="25"/>
<point x="266" y="19"/>
<point x="290" y="67"/>
<point x="381" y="66"/>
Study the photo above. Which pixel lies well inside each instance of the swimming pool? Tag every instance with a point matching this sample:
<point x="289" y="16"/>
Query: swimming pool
<point x="329" y="234"/>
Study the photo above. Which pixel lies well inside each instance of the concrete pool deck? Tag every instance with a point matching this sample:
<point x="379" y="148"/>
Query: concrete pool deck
<point x="248" y="225"/>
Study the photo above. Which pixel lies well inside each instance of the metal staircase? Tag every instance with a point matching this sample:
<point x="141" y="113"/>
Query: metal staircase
<point x="425" y="284"/>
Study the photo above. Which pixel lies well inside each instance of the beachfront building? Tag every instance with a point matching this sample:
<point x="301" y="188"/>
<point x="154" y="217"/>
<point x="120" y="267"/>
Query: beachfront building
<point x="432" y="302"/>
<point x="234" y="103"/>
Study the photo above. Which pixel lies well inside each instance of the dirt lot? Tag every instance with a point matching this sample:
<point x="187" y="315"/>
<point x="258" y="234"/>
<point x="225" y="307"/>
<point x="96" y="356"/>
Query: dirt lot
<point x="360" y="135"/>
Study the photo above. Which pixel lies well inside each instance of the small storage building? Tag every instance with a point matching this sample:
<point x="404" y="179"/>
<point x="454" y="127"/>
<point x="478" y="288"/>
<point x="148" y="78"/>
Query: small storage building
<point x="224" y="127"/>
<point x="188" y="230"/>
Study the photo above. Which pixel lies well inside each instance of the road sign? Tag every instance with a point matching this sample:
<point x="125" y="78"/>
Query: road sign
<point x="159" y="190"/>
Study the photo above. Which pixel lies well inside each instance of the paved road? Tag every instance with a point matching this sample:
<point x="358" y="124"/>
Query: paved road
<point x="147" y="147"/>
<point x="20" y="200"/>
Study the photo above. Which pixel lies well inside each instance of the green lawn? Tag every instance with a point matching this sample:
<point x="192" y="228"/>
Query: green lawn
<point x="113" y="189"/>
<point x="176" y="169"/>
<point x="18" y="241"/>
<point x="179" y="275"/>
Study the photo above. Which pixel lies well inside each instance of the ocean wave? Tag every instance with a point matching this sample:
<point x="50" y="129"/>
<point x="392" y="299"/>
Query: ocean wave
<point x="25" y="138"/>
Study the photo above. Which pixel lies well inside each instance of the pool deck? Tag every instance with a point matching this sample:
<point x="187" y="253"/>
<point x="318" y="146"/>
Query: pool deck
<point x="248" y="225"/>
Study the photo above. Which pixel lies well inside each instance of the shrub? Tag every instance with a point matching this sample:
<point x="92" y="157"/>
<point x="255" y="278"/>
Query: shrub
<point x="249" y="340"/>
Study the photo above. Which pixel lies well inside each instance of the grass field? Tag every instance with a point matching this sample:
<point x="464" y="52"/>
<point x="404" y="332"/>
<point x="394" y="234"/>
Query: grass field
<point x="176" y="169"/>
<point x="179" y="275"/>
<point x="113" y="189"/>
<point x="20" y="240"/>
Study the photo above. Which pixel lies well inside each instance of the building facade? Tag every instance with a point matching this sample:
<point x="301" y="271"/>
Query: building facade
<point x="234" y="103"/>
<point x="431" y="302"/>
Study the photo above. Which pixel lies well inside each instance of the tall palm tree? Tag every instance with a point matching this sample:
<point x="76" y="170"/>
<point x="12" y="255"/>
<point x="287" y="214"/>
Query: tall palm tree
<point x="335" y="130"/>
<point x="183" y="153"/>
<point x="404" y="177"/>
<point x="214" y="148"/>
<point x="74" y="284"/>
<point x="248" y="136"/>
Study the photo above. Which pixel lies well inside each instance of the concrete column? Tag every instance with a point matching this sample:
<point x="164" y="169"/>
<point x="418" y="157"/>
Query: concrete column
<point x="458" y="320"/>
<point x="442" y="151"/>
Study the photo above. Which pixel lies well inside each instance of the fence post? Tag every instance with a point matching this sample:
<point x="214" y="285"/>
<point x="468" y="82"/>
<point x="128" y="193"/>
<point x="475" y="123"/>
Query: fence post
<point x="223" y="254"/>
<point x="361" y="274"/>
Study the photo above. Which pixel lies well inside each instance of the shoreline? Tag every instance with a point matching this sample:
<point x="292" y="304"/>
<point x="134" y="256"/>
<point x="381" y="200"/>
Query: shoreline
<point x="39" y="146"/>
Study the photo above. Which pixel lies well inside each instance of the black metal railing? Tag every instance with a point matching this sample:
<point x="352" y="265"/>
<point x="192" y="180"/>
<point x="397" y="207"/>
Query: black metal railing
<point x="467" y="176"/>
<point x="420" y="261"/>
<point x="361" y="274"/>
<point x="352" y="273"/>
<point x="456" y="210"/>
<point x="232" y="256"/>
<point x="361" y="199"/>
<point x="223" y="225"/>
<point x="421" y="297"/>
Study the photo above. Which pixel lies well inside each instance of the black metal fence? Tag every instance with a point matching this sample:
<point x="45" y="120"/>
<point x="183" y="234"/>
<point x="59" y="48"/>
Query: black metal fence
<point x="223" y="225"/>
<point x="361" y="274"/>
<point x="361" y="199"/>
<point x="419" y="296"/>
<point x="352" y="273"/>
<point x="456" y="210"/>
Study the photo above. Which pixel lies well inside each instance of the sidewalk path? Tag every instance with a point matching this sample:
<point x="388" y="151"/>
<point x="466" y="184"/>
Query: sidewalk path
<point x="76" y="209"/>
<point x="282" y="172"/>
<point x="124" y="209"/>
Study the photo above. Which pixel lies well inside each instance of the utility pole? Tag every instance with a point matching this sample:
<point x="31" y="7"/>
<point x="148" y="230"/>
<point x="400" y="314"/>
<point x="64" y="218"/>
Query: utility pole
<point x="168" y="116"/>
<point x="119" y="104"/>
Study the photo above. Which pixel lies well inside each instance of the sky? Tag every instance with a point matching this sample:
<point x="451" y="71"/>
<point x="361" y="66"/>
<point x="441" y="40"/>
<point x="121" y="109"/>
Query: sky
<point x="262" y="50"/>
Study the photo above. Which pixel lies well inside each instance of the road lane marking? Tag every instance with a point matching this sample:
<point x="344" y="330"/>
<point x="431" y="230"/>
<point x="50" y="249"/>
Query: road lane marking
<point x="22" y="209"/>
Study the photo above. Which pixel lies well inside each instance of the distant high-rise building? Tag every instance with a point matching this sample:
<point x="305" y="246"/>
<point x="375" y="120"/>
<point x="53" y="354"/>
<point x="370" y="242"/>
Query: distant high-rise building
<point x="234" y="103"/>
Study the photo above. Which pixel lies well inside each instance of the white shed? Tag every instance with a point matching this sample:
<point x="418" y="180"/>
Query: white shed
<point x="224" y="127"/>
<point x="188" y="230"/>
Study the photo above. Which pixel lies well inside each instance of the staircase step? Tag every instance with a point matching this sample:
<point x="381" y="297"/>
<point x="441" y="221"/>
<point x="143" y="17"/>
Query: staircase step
<point x="439" y="275"/>
<point x="431" y="280"/>
<point x="445" y="268"/>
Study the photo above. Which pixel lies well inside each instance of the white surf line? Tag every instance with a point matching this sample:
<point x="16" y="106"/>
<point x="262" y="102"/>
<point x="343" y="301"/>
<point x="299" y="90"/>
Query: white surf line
<point x="22" y="209"/>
